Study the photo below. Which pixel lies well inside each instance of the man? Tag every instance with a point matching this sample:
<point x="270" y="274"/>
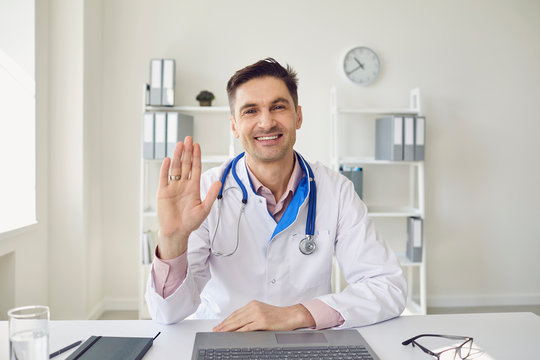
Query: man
<point x="240" y="260"/>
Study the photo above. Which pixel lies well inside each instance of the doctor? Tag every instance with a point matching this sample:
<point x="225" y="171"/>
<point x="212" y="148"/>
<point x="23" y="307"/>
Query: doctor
<point x="260" y="258"/>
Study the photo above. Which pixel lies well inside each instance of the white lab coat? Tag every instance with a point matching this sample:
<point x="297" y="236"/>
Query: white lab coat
<point x="273" y="270"/>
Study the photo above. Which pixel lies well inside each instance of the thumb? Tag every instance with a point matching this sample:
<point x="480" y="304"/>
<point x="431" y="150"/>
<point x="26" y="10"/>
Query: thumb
<point x="211" y="196"/>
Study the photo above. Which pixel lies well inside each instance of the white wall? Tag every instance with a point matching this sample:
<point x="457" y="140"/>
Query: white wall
<point x="26" y="250"/>
<point x="75" y="245"/>
<point x="475" y="63"/>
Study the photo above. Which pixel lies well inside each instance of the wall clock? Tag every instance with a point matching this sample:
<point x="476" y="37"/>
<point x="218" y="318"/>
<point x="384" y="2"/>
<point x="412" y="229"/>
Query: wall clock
<point x="361" y="65"/>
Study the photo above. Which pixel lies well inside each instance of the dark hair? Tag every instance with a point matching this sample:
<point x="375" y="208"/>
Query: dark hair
<point x="262" y="68"/>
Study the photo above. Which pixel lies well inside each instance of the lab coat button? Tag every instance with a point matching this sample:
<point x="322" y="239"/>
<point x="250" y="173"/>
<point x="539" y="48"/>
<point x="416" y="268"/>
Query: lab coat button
<point x="273" y="281"/>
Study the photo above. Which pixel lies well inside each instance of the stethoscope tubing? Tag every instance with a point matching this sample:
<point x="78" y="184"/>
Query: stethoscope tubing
<point x="307" y="245"/>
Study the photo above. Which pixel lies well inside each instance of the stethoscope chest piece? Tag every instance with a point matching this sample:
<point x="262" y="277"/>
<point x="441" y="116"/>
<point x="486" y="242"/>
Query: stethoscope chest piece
<point x="307" y="245"/>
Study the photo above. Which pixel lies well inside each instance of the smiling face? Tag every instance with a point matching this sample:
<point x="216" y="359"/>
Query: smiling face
<point x="265" y="119"/>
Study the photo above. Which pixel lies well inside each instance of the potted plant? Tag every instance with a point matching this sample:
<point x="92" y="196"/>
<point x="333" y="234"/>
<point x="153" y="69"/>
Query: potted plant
<point x="205" y="98"/>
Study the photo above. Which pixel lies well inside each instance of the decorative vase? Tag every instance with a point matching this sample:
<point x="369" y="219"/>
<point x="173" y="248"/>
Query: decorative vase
<point x="205" y="102"/>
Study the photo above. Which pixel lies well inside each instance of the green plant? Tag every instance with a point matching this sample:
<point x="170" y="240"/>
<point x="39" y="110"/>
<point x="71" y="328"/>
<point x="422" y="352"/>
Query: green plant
<point x="205" y="96"/>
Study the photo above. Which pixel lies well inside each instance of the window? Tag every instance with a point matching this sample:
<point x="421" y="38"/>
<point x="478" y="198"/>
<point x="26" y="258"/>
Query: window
<point x="17" y="115"/>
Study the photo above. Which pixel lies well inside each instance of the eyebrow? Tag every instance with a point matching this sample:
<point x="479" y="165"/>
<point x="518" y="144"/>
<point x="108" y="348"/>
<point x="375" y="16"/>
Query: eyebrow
<point x="276" y="101"/>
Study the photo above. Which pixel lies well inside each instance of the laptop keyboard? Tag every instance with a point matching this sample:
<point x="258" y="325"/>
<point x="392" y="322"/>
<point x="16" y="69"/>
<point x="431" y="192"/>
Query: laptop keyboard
<point x="314" y="352"/>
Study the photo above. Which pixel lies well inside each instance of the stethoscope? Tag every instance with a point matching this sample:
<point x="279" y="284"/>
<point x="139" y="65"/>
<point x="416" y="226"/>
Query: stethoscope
<point x="307" y="245"/>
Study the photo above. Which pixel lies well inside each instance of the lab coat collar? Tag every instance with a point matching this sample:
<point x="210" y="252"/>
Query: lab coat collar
<point x="298" y="201"/>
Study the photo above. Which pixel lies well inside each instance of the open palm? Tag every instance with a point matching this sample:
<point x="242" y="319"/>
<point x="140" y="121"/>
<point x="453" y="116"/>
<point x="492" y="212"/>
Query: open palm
<point x="179" y="205"/>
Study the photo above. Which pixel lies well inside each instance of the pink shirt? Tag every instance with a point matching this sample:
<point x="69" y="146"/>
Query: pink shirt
<point x="169" y="274"/>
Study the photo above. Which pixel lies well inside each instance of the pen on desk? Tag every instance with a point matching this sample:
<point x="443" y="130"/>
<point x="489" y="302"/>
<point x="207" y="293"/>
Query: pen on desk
<point x="63" y="350"/>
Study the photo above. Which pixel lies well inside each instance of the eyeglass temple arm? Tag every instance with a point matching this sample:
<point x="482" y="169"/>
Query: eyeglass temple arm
<point x="454" y="337"/>
<point x="424" y="349"/>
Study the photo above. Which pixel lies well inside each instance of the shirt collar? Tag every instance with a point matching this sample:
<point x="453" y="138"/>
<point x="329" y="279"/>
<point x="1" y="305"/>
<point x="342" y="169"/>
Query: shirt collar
<point x="294" y="180"/>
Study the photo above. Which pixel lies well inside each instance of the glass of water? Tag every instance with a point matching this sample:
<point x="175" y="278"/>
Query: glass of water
<point x="29" y="333"/>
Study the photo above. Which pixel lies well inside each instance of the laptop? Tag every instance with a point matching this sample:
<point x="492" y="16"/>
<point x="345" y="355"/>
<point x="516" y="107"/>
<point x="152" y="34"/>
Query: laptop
<point x="303" y="344"/>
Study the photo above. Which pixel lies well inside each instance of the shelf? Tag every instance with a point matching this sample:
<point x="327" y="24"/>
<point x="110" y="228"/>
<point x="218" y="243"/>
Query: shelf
<point x="205" y="159"/>
<point x="414" y="308"/>
<point x="377" y="111"/>
<point x="372" y="161"/>
<point x="153" y="160"/>
<point x="404" y="261"/>
<point x="393" y="211"/>
<point x="191" y="109"/>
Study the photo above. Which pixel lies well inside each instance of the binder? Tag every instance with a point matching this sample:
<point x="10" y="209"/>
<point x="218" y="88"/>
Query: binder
<point x="160" y="119"/>
<point x="148" y="136"/>
<point x="356" y="176"/>
<point x="112" y="348"/>
<point x="389" y="138"/>
<point x="420" y="137"/>
<point x="155" y="81"/>
<point x="167" y="92"/>
<point x="178" y="127"/>
<point x="415" y="238"/>
<point x="408" y="136"/>
<point x="146" y="248"/>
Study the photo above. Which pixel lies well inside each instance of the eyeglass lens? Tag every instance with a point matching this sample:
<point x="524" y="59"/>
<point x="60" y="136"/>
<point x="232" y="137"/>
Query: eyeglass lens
<point x="461" y="352"/>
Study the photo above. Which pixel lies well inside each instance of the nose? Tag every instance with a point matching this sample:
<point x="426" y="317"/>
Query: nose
<point x="266" y="120"/>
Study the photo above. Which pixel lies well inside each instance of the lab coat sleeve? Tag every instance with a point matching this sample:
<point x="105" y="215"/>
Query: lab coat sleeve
<point x="376" y="289"/>
<point x="185" y="300"/>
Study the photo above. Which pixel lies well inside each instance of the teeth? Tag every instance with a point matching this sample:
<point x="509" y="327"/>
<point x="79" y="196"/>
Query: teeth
<point x="267" y="137"/>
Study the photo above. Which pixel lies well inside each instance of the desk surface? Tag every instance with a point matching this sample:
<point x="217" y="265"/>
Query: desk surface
<point x="500" y="336"/>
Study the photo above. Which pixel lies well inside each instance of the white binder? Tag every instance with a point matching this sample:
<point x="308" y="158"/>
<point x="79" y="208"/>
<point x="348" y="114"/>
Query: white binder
<point x="415" y="238"/>
<point x="160" y="136"/>
<point x="420" y="138"/>
<point x="172" y="132"/>
<point x="148" y="136"/>
<point x="389" y="138"/>
<point x="178" y="127"/>
<point x="156" y="84"/>
<point x="167" y="92"/>
<point x="408" y="145"/>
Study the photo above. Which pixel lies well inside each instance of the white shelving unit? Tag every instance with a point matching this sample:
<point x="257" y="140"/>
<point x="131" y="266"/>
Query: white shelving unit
<point x="362" y="157"/>
<point x="150" y="174"/>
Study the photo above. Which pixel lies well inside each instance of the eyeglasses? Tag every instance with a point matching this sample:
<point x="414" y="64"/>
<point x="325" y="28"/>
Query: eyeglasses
<point x="463" y="350"/>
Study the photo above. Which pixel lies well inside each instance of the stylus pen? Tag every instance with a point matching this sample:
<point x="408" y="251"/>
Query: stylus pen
<point x="63" y="350"/>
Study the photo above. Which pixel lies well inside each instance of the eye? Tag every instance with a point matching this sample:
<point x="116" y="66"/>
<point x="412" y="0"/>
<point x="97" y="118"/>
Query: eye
<point x="278" y="107"/>
<point x="249" y="111"/>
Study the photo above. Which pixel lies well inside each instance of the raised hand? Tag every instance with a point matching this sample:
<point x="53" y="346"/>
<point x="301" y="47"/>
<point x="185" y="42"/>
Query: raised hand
<point x="179" y="206"/>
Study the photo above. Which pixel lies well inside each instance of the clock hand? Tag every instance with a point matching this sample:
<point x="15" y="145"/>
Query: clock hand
<point x="359" y="63"/>
<point x="353" y="70"/>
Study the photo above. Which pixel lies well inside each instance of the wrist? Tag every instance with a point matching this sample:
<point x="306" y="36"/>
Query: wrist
<point x="302" y="316"/>
<point x="171" y="247"/>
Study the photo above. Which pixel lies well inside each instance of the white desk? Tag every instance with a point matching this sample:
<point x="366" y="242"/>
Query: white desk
<point x="501" y="336"/>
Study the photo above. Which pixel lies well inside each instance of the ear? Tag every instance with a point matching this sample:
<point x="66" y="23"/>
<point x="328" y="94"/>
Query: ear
<point x="233" y="127"/>
<point x="299" y="117"/>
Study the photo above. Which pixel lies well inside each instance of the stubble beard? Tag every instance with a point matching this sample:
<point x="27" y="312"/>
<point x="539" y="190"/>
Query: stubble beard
<point x="262" y="156"/>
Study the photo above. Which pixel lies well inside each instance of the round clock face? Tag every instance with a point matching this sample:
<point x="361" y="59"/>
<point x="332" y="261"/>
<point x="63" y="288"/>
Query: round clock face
<point x="361" y="65"/>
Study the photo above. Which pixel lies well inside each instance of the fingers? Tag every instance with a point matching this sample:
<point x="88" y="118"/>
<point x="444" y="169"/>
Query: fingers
<point x="164" y="172"/>
<point x="176" y="160"/>
<point x="183" y="157"/>
<point x="233" y="323"/>
<point x="250" y="317"/>
<point x="196" y="166"/>
<point x="187" y="157"/>
<point x="211" y="196"/>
